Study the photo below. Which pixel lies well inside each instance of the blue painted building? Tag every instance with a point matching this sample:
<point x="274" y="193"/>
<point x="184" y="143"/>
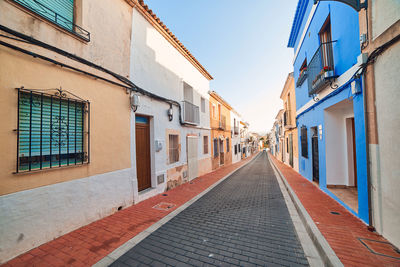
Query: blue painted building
<point x="329" y="101"/>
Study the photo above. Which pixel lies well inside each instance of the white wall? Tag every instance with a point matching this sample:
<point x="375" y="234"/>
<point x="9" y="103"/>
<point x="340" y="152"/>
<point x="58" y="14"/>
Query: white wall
<point x="158" y="67"/>
<point x="384" y="14"/>
<point x="235" y="138"/>
<point x="385" y="177"/>
<point x="71" y="204"/>
<point x="336" y="142"/>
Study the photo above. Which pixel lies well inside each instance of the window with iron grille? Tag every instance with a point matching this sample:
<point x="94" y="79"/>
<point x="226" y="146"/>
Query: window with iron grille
<point x="304" y="143"/>
<point x="227" y="145"/>
<point x="51" y="130"/>
<point x="215" y="147"/>
<point x="173" y="148"/>
<point x="205" y="144"/>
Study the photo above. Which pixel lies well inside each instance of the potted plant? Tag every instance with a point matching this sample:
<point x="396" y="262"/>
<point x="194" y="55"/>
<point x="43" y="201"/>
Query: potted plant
<point x="327" y="71"/>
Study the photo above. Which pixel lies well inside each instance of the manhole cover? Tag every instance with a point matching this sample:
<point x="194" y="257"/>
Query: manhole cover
<point x="381" y="248"/>
<point x="164" y="206"/>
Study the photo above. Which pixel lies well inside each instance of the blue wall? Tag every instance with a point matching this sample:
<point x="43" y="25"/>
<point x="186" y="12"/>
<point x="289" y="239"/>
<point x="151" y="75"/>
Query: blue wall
<point x="345" y="30"/>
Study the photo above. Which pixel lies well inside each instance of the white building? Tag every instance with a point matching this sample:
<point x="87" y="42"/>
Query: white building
<point x="244" y="139"/>
<point x="177" y="142"/>
<point x="235" y="126"/>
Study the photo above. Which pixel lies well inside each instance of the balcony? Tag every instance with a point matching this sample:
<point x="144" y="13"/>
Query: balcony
<point x="302" y="77"/>
<point x="222" y="123"/>
<point x="236" y="130"/>
<point x="191" y="114"/>
<point x="321" y="69"/>
<point x="287" y="120"/>
<point x="52" y="16"/>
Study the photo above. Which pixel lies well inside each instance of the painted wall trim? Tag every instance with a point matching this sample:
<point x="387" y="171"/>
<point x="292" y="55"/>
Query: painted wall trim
<point x="303" y="35"/>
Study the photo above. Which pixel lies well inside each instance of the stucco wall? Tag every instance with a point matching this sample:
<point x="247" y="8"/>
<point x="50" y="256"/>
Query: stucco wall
<point x="385" y="183"/>
<point x="384" y="14"/>
<point x="110" y="117"/>
<point x="110" y="18"/>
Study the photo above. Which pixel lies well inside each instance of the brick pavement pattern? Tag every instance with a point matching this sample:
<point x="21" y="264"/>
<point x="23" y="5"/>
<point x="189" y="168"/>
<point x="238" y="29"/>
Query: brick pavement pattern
<point x="341" y="231"/>
<point x="87" y="245"/>
<point x="243" y="221"/>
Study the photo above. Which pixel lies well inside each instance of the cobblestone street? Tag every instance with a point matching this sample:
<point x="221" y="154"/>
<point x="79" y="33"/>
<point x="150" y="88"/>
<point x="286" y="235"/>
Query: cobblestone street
<point x="243" y="221"/>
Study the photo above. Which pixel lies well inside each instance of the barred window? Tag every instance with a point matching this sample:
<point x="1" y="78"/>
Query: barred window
<point x="205" y="144"/>
<point x="173" y="148"/>
<point x="236" y="149"/>
<point x="227" y="145"/>
<point x="215" y="147"/>
<point x="304" y="143"/>
<point x="51" y="130"/>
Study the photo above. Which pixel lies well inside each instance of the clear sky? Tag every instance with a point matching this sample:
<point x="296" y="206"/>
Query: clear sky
<point x="242" y="44"/>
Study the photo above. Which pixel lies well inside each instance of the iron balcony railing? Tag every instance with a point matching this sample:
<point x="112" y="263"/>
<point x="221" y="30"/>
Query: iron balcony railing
<point x="222" y="123"/>
<point x="321" y="68"/>
<point x="52" y="16"/>
<point x="302" y="77"/>
<point x="191" y="113"/>
<point x="287" y="120"/>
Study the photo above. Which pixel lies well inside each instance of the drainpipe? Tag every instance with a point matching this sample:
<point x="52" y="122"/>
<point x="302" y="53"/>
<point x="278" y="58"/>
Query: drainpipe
<point x="370" y="223"/>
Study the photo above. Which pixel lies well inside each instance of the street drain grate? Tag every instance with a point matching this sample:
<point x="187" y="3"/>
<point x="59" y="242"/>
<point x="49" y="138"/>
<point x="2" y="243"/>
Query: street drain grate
<point x="380" y="248"/>
<point x="164" y="206"/>
<point x="335" y="213"/>
<point x="164" y="195"/>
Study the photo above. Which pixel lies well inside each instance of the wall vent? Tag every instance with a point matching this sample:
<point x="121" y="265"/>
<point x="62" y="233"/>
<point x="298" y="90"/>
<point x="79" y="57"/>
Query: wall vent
<point x="160" y="179"/>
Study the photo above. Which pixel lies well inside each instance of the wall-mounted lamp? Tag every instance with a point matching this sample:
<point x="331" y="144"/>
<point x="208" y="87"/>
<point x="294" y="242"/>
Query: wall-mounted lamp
<point x="135" y="102"/>
<point x="170" y="113"/>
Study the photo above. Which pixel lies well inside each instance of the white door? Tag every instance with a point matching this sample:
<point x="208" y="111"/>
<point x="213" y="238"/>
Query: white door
<point x="192" y="147"/>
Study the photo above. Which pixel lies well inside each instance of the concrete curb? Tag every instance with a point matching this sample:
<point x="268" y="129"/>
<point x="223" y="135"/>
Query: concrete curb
<point x="118" y="252"/>
<point x="324" y="249"/>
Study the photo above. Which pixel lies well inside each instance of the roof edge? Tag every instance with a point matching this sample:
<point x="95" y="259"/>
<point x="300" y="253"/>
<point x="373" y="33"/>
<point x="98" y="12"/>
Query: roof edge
<point x="297" y="20"/>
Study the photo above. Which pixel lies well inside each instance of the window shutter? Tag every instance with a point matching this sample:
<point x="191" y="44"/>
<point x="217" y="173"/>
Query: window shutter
<point x="50" y="126"/>
<point x="59" y="11"/>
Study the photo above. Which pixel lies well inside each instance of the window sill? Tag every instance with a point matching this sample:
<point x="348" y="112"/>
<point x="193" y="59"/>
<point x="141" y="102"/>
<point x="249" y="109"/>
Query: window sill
<point x="51" y="169"/>
<point x="49" y="22"/>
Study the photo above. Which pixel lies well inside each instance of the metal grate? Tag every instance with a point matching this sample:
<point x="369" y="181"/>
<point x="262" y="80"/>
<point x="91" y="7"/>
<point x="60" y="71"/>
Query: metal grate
<point x="191" y="113"/>
<point x="51" y="130"/>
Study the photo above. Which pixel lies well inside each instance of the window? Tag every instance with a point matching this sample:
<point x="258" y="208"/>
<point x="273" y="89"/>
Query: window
<point x="173" y="148"/>
<point x="227" y="145"/>
<point x="214" y="113"/>
<point x="239" y="147"/>
<point x="236" y="149"/>
<point x="205" y="144"/>
<point x="304" y="143"/>
<point x="51" y="130"/>
<point x="203" y="105"/>
<point x="215" y="147"/>
<point x="60" y="12"/>
<point x="287" y="145"/>
<point x="325" y="39"/>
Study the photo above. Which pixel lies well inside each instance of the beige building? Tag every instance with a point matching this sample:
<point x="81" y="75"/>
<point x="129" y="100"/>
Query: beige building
<point x="65" y="116"/>
<point x="380" y="29"/>
<point x="290" y="153"/>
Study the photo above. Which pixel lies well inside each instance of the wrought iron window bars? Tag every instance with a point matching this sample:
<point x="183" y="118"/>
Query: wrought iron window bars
<point x="51" y="129"/>
<point x="52" y="16"/>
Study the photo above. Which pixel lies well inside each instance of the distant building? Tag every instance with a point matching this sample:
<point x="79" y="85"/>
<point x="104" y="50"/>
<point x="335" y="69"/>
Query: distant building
<point x="235" y="135"/>
<point x="290" y="150"/>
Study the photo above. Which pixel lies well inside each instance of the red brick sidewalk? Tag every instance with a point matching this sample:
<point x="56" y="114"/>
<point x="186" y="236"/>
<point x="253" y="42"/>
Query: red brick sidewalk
<point x="341" y="231"/>
<point x="89" y="244"/>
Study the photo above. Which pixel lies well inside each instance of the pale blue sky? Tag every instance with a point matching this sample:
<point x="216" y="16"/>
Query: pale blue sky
<point x="242" y="44"/>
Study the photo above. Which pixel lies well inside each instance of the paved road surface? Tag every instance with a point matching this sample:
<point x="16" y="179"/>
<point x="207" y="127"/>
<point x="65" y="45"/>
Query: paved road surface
<point x="243" y="221"/>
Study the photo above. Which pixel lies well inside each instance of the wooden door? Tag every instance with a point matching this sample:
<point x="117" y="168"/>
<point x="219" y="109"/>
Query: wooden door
<point x="221" y="152"/>
<point x="192" y="152"/>
<point x="315" y="156"/>
<point x="143" y="153"/>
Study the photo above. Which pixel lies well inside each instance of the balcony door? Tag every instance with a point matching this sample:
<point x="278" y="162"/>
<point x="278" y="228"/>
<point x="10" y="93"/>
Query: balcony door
<point x="325" y="38"/>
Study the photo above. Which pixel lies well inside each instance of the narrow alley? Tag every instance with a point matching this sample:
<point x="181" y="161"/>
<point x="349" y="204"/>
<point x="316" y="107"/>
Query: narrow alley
<point x="243" y="221"/>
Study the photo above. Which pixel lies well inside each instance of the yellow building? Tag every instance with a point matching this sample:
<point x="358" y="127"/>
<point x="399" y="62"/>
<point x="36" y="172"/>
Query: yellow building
<point x="220" y="123"/>
<point x="65" y="118"/>
<point x="290" y="149"/>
